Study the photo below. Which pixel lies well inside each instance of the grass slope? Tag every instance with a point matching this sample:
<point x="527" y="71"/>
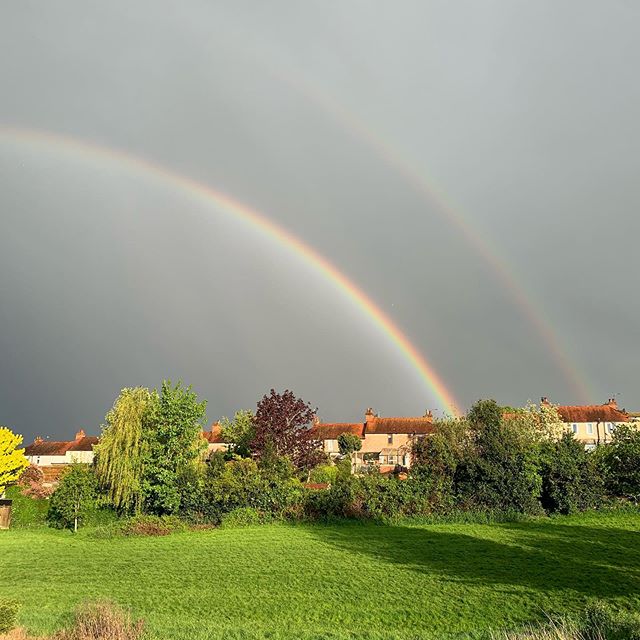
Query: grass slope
<point x="342" y="581"/>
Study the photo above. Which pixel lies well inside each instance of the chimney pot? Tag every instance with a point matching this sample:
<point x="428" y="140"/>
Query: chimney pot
<point x="37" y="440"/>
<point x="544" y="400"/>
<point x="80" y="434"/>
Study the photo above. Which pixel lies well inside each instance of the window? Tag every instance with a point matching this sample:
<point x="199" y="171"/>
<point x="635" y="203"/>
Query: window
<point x="390" y="438"/>
<point x="574" y="428"/>
<point x="611" y="427"/>
<point x="590" y="429"/>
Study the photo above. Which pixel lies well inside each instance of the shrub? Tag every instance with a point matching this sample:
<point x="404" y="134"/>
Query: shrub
<point x="324" y="473"/>
<point x="242" y="483"/>
<point x="102" y="621"/>
<point x="8" y="614"/>
<point x="74" y="497"/>
<point x="31" y="483"/>
<point x="150" y="526"/>
<point x="243" y="517"/>
<point x="26" y="512"/>
<point x="570" y="477"/>
<point x="498" y="470"/>
<point x="621" y="463"/>
<point x="601" y="621"/>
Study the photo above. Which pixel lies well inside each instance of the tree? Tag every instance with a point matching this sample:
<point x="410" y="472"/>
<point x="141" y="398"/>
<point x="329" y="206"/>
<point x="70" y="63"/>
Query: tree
<point x="74" y="496"/>
<point x="435" y="460"/>
<point x="571" y="480"/>
<point x="12" y="460"/>
<point x="282" y="428"/>
<point x="349" y="443"/>
<point x="499" y="469"/>
<point x="172" y="443"/>
<point x="621" y="463"/>
<point x="537" y="423"/>
<point x="120" y="453"/>
<point x="239" y="432"/>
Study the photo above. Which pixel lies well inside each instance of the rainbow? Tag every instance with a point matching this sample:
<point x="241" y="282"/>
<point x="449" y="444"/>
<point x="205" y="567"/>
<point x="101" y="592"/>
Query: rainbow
<point x="258" y="221"/>
<point x="424" y="187"/>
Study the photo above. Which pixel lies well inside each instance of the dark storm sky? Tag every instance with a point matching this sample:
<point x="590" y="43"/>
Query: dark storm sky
<point x="330" y="118"/>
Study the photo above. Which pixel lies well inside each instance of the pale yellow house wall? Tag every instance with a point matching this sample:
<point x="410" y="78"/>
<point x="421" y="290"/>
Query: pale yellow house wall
<point x="590" y="433"/>
<point x="377" y="441"/>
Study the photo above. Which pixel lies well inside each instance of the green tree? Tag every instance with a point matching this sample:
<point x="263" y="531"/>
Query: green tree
<point x="120" y="454"/>
<point x="172" y="443"/>
<point x="571" y="480"/>
<point x="435" y="460"/>
<point x="12" y="460"/>
<point x="621" y="463"/>
<point x="74" y="497"/>
<point x="239" y="432"/>
<point x="499" y="467"/>
<point x="349" y="443"/>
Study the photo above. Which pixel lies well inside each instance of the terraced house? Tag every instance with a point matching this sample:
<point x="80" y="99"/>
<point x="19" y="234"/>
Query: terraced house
<point x="54" y="455"/>
<point x="593" y="424"/>
<point x="386" y="442"/>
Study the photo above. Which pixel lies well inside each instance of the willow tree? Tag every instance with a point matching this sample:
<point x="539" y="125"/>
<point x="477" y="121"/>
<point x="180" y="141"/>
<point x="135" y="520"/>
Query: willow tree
<point x="120" y="454"/>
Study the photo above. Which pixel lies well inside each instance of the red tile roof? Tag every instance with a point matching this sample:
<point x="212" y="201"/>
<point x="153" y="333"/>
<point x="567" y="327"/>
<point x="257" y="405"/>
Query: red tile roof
<point x="84" y="444"/>
<point x="47" y="448"/>
<point x="592" y="413"/>
<point x="331" y="430"/>
<point x="400" y="425"/>
<point x="214" y="436"/>
<point x="41" y="447"/>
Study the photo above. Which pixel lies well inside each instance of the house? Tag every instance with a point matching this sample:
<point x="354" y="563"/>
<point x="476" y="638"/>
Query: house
<point x="592" y="424"/>
<point x="50" y="453"/>
<point x="53" y="456"/>
<point x="214" y="439"/>
<point x="386" y="442"/>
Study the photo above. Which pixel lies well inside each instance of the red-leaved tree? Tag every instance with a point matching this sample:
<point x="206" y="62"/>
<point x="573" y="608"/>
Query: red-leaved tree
<point x="282" y="427"/>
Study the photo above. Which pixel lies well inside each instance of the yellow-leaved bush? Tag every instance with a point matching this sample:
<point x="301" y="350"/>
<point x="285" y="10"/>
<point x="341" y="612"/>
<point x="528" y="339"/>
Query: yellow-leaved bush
<point x="12" y="460"/>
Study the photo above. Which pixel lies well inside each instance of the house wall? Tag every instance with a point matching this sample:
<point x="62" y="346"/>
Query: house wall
<point x="377" y="441"/>
<point x="47" y="461"/>
<point x="212" y="447"/>
<point x="593" y="433"/>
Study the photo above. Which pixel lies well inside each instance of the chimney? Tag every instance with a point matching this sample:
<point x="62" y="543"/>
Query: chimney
<point x="428" y="414"/>
<point x="369" y="415"/>
<point x="81" y="434"/>
<point x="37" y="440"/>
<point x="316" y="420"/>
<point x="612" y="403"/>
<point x="544" y="400"/>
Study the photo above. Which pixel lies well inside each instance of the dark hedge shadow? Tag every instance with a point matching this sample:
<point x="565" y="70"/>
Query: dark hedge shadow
<point x="594" y="562"/>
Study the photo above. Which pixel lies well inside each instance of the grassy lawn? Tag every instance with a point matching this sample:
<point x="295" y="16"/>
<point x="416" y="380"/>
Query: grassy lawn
<point x="342" y="581"/>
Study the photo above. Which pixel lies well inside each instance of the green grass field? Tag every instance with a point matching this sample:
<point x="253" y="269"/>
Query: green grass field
<point x="330" y="581"/>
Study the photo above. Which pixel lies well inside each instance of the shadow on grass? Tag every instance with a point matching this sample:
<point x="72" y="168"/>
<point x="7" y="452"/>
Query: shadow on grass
<point x="546" y="557"/>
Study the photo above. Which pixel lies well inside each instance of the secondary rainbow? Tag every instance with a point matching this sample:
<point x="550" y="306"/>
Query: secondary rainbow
<point x="259" y="221"/>
<point x="385" y="151"/>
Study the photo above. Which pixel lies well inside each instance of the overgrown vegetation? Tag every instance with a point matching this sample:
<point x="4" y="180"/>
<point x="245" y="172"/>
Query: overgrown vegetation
<point x="493" y="461"/>
<point x="8" y="614"/>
